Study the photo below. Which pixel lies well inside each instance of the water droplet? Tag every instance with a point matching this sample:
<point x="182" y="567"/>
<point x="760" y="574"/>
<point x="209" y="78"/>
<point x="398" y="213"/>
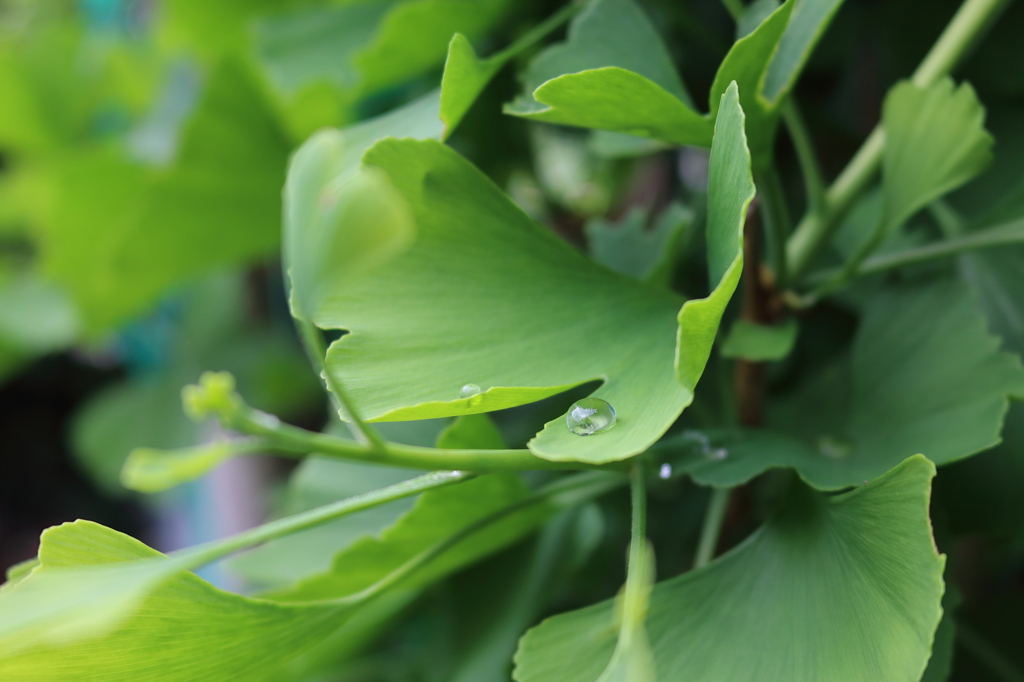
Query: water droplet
<point x="469" y="390"/>
<point x="665" y="471"/>
<point x="717" y="455"/>
<point x="589" y="416"/>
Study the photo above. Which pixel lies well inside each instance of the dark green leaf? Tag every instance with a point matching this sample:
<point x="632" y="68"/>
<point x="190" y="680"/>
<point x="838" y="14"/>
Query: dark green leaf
<point x="758" y="342"/>
<point x="830" y="589"/>
<point x="925" y="377"/>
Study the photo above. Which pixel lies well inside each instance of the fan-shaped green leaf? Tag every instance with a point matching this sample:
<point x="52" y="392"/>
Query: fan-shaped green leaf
<point x="417" y="338"/>
<point x="613" y="73"/>
<point x="91" y="578"/>
<point x="608" y="33"/>
<point x="925" y="376"/>
<point x="935" y="141"/>
<point x="831" y="589"/>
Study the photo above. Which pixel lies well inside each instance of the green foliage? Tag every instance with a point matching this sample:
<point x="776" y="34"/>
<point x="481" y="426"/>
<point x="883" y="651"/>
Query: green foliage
<point x="433" y="263"/>
<point x="759" y="342"/>
<point x="939" y="142"/>
<point x="854" y="579"/>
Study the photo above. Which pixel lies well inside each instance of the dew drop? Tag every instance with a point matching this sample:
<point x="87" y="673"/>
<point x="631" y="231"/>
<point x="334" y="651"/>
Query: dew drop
<point x="589" y="416"/>
<point x="469" y="390"/>
<point x="665" y="471"/>
<point x="717" y="455"/>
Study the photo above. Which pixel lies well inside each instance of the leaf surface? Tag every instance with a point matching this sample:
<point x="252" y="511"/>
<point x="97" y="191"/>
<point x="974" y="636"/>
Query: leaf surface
<point x="416" y="338"/>
<point x="831" y="589"/>
<point x="935" y="142"/>
<point x="613" y="55"/>
<point x="180" y="626"/>
<point x="925" y="376"/>
<point x="431" y="520"/>
<point x="758" y="342"/>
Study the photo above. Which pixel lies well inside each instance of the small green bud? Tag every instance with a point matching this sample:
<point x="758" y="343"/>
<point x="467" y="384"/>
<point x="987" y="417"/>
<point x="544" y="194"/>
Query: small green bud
<point x="213" y="395"/>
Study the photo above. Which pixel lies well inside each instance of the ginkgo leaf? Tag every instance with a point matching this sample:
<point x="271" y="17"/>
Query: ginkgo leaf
<point x="340" y="220"/>
<point x="417" y="335"/>
<point x="831" y="589"/>
<point x="925" y="376"/>
<point x="92" y="578"/>
<point x="935" y="142"/>
<point x="613" y="73"/>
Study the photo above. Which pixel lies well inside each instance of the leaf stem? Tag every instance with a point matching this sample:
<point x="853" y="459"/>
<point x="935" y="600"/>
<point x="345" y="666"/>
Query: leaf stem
<point x="967" y="25"/>
<point x="997" y="663"/>
<point x="638" y="496"/>
<point x="313" y="342"/>
<point x="287" y="439"/>
<point x="572" y="491"/>
<point x="814" y="181"/>
<point x="211" y="551"/>
<point x="712" y="528"/>
<point x="1000" y="235"/>
<point x="776" y="218"/>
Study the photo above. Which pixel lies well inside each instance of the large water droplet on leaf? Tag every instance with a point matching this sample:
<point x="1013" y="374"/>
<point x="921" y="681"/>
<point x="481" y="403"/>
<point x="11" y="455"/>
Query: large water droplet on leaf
<point x="589" y="416"/>
<point x="469" y="390"/>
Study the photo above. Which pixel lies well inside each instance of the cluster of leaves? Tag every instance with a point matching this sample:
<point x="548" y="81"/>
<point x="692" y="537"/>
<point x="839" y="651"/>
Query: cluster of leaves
<point x="437" y="279"/>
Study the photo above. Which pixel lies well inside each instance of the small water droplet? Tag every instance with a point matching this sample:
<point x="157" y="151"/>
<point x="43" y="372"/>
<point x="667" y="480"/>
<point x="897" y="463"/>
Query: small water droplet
<point x="717" y="455"/>
<point x="469" y="390"/>
<point x="665" y="471"/>
<point x="589" y="416"/>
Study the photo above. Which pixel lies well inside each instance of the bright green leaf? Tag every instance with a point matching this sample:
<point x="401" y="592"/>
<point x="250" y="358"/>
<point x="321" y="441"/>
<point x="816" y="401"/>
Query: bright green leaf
<point x="466" y="75"/>
<point x="612" y="98"/>
<point x="935" y="142"/>
<point x="613" y="56"/>
<point x="149" y="471"/>
<point x="608" y="33"/>
<point x="831" y="589"/>
<point x="337" y="231"/>
<point x="759" y="342"/>
<point x="139" y="614"/>
<point x="730" y="191"/>
<point x="524" y="348"/>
